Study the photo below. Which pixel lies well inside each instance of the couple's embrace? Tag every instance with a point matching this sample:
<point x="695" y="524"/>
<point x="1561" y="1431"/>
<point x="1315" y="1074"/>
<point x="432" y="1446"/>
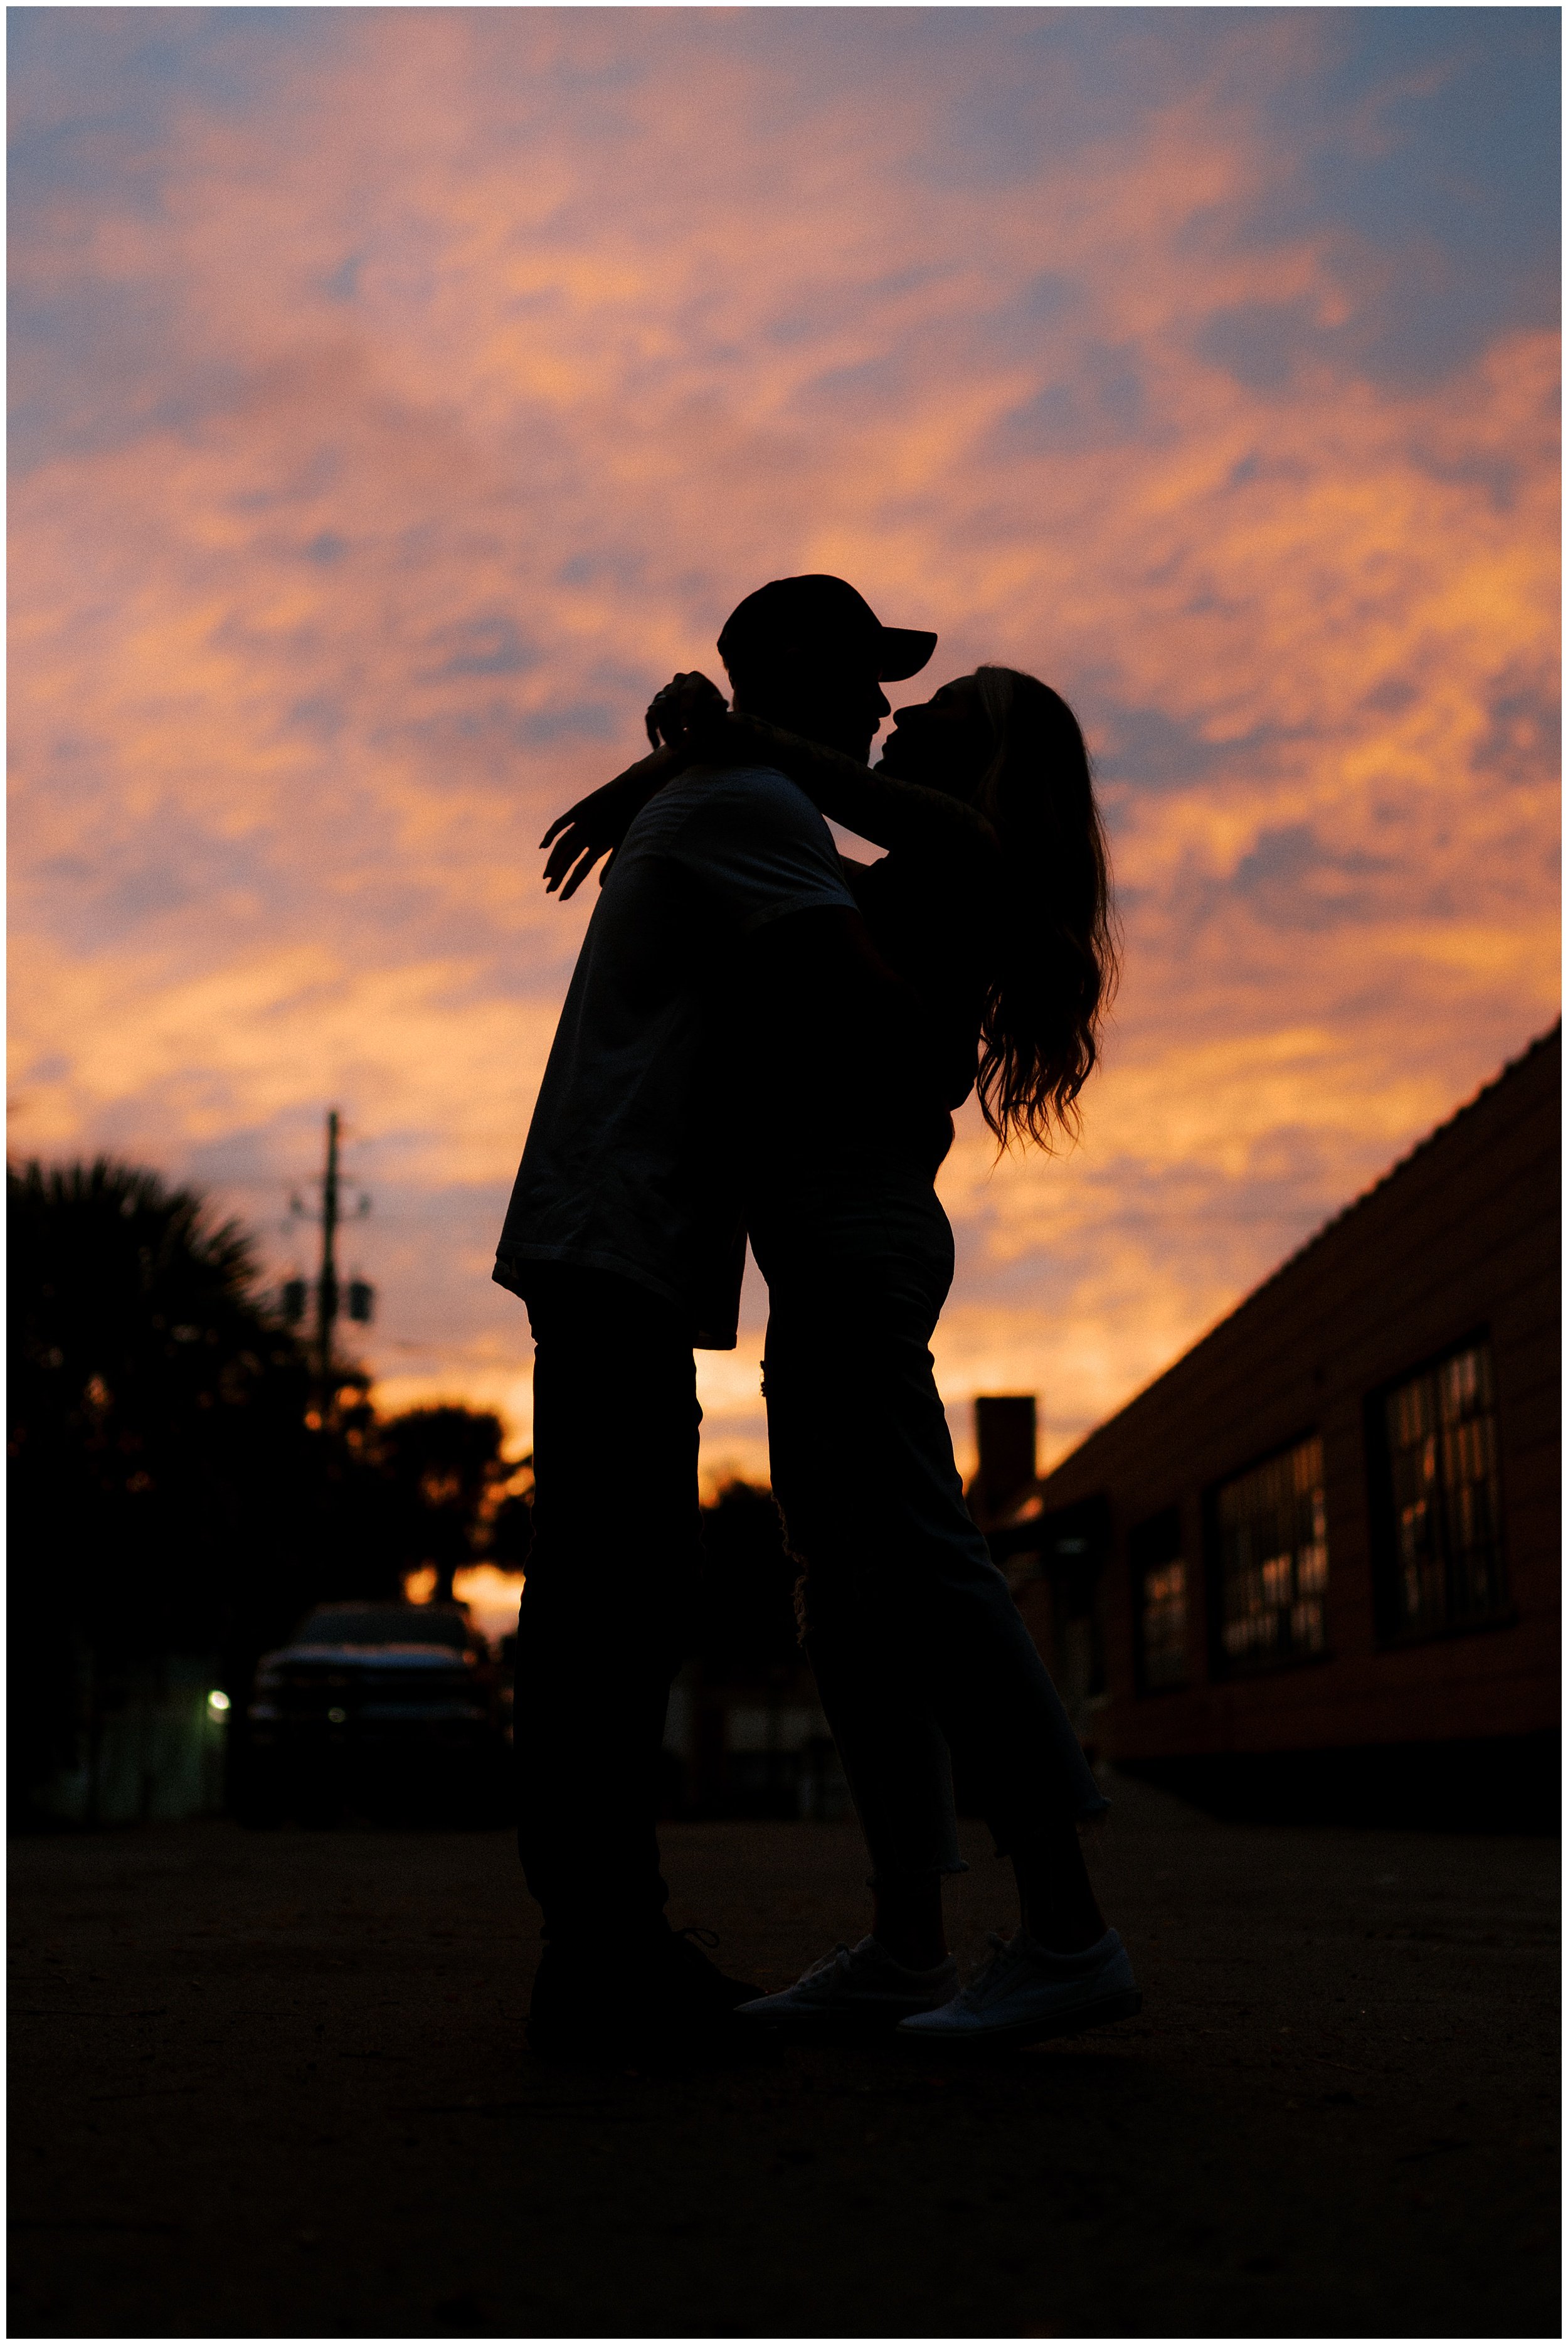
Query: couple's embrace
<point x="763" y="1039"/>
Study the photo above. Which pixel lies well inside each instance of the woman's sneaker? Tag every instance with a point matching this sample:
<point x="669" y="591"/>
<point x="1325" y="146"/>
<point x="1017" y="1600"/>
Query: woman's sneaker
<point x="1026" y="1992"/>
<point x="857" y="1986"/>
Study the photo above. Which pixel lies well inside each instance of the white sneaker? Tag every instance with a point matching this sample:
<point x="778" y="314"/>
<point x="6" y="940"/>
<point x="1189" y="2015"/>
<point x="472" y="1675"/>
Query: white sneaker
<point x="1026" y="1992"/>
<point x="858" y="1985"/>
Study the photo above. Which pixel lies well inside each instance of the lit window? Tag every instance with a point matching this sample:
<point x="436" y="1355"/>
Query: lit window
<point x="1447" y="1544"/>
<point x="1159" y="1594"/>
<point x="1273" y="1551"/>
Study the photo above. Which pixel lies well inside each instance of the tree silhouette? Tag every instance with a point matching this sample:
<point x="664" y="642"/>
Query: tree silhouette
<point x="166" y="1491"/>
<point x="511" y="1523"/>
<point x="444" y="1466"/>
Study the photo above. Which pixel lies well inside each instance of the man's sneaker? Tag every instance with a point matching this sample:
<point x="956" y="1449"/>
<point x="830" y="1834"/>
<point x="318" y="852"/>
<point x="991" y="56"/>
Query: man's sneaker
<point x="857" y="1986"/>
<point x="1026" y="1992"/>
<point x="651" y="1995"/>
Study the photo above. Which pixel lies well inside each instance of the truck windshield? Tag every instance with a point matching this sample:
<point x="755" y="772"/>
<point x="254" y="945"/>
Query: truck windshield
<point x="382" y="1624"/>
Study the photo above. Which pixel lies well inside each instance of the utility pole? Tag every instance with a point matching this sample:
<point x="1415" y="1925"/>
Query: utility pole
<point x="327" y="1284"/>
<point x="294" y="1295"/>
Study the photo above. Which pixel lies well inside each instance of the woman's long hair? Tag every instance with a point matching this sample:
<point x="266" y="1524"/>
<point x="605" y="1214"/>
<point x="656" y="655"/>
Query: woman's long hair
<point x="1057" y="964"/>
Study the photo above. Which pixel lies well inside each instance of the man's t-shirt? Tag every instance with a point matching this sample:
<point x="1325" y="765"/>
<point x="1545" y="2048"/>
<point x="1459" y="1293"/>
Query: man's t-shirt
<point x="632" y="1159"/>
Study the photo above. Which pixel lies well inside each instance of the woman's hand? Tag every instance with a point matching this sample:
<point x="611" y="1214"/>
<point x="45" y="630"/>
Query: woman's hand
<point x="597" y="824"/>
<point x="674" y="713"/>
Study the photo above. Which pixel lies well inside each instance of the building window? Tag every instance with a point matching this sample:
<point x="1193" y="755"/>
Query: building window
<point x="1273" y="1555"/>
<point x="1441" y="1428"/>
<point x="1159" y="1596"/>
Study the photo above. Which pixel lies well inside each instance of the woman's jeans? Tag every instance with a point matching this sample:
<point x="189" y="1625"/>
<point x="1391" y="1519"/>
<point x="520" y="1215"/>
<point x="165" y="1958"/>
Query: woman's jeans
<point x="917" y="1646"/>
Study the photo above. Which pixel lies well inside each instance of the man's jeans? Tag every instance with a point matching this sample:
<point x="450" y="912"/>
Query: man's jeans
<point x="607" y="1611"/>
<point x="913" y="1634"/>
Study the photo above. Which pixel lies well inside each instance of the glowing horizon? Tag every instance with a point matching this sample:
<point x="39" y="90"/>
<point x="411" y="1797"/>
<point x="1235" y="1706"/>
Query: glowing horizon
<point x="400" y="396"/>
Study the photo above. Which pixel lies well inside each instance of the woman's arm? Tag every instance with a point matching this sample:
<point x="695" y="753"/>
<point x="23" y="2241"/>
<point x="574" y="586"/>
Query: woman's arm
<point x="690" y="711"/>
<point x="597" y="824"/>
<point x="874" y="804"/>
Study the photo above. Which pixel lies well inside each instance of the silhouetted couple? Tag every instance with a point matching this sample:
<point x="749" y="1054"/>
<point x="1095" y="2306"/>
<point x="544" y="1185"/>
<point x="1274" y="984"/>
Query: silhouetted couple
<point x="763" y="1039"/>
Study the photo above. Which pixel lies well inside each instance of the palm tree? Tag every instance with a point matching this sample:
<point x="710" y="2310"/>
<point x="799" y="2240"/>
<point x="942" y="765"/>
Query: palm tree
<point x="157" y="1437"/>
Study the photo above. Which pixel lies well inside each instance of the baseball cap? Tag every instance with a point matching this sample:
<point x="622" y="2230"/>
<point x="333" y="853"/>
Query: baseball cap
<point x="823" y="614"/>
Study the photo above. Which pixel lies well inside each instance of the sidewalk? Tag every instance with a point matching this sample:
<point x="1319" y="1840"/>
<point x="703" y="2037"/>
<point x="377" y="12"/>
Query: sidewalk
<point x="277" y="2085"/>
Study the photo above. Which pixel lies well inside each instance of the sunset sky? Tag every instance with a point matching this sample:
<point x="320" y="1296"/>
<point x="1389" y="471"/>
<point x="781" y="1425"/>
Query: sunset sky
<point x="399" y="396"/>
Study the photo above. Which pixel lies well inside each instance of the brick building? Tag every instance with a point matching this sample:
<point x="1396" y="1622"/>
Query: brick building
<point x="1315" y="1567"/>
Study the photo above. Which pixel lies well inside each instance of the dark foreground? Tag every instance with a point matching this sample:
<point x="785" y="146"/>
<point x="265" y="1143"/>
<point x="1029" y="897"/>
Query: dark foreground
<point x="278" y="2085"/>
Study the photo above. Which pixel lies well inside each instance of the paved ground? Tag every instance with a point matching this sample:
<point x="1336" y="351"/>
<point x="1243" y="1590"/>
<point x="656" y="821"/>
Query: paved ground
<point x="277" y="2085"/>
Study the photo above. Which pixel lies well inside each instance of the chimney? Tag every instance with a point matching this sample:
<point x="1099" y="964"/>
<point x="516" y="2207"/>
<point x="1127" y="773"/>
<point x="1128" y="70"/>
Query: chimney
<point x="1005" y="1436"/>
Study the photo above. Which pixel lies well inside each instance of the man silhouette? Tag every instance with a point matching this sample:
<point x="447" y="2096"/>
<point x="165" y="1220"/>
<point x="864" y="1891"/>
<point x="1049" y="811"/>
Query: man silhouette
<point x="724" y="946"/>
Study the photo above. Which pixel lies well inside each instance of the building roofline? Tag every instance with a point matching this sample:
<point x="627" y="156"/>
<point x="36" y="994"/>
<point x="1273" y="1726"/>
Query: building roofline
<point x="1510" y="1069"/>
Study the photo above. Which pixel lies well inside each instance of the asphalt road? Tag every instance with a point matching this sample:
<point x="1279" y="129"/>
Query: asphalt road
<point x="277" y="2085"/>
